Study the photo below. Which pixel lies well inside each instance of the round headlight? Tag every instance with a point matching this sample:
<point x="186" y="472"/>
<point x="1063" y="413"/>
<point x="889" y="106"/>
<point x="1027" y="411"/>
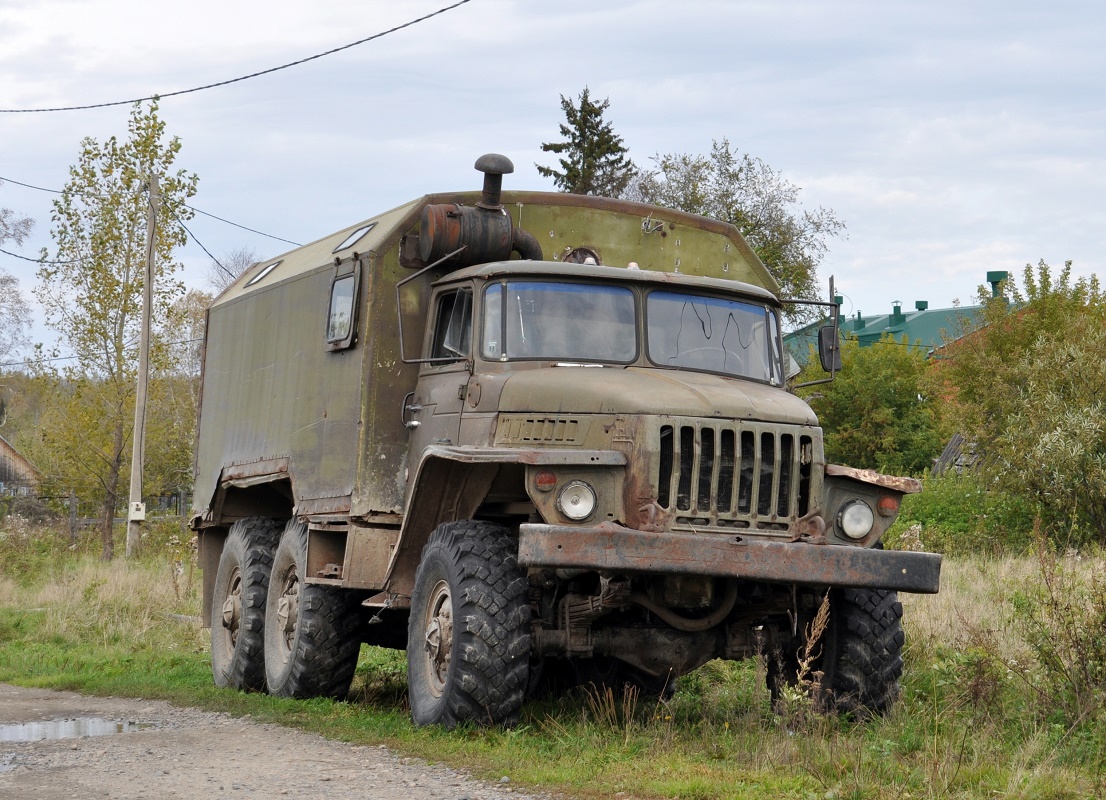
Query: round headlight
<point x="855" y="519"/>
<point x="576" y="501"/>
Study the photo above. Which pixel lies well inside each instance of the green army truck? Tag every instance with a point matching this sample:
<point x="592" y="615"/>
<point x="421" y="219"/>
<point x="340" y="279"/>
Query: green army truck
<point x="537" y="440"/>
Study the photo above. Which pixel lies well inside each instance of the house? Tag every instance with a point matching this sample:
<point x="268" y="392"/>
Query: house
<point x="923" y="327"/>
<point x="17" y="474"/>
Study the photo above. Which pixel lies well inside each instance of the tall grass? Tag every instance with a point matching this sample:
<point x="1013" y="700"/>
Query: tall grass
<point x="994" y="701"/>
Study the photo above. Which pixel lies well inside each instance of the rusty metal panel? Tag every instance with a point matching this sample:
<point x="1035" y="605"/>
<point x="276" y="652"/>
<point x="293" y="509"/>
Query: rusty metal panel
<point x="381" y="463"/>
<point x="368" y="552"/>
<point x="617" y="549"/>
<point x="892" y="482"/>
<point x="272" y="392"/>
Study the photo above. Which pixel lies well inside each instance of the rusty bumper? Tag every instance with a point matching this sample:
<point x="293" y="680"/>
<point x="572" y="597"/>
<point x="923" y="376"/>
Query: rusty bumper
<point x="613" y="548"/>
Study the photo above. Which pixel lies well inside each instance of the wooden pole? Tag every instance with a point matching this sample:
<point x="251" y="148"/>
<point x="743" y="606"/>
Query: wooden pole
<point x="136" y="510"/>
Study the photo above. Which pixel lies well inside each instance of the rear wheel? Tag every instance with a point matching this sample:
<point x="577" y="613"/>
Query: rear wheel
<point x="238" y="604"/>
<point x="312" y="632"/>
<point x="468" y="643"/>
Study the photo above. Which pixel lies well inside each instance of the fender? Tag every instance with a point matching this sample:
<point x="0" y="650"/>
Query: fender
<point x="452" y="482"/>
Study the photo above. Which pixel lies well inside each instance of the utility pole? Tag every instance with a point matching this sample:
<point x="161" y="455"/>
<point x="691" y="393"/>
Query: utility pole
<point x="136" y="509"/>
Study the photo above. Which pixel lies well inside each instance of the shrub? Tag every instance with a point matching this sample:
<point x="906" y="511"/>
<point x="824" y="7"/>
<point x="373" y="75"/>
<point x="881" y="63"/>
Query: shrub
<point x="963" y="513"/>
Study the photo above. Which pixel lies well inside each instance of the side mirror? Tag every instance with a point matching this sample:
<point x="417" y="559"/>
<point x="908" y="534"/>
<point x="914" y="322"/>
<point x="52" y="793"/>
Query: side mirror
<point x="829" y="348"/>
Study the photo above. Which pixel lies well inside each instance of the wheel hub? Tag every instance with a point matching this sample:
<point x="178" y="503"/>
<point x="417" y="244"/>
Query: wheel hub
<point x="439" y="636"/>
<point x="232" y="608"/>
<point x="288" y="611"/>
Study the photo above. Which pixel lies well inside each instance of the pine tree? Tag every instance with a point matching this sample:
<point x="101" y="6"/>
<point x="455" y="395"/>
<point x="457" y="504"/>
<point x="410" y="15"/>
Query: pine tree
<point x="593" y="158"/>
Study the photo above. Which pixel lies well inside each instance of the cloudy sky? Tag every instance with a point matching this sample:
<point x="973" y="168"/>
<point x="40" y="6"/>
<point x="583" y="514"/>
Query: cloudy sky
<point x="953" y="138"/>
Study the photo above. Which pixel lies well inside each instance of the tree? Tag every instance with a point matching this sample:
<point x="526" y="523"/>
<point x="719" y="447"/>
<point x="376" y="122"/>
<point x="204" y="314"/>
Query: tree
<point x="13" y="228"/>
<point x="175" y="400"/>
<point x="758" y="200"/>
<point x="15" y="316"/>
<point x="877" y="413"/>
<point x="1028" y="386"/>
<point x="91" y="295"/>
<point x="222" y="273"/>
<point x="594" y="160"/>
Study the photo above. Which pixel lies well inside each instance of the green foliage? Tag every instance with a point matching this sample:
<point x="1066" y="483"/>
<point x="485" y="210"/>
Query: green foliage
<point x="758" y="200"/>
<point x="1029" y="388"/>
<point x="594" y="159"/>
<point x="91" y="293"/>
<point x="963" y="513"/>
<point x="877" y="413"/>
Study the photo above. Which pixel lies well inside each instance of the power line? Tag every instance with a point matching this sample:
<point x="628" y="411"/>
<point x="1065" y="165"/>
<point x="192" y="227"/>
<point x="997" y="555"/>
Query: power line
<point x="27" y="185"/>
<point x="243" y="77"/>
<point x="192" y="208"/>
<point x="201" y="244"/>
<point x="74" y="358"/>
<point x="38" y="261"/>
<point x="243" y="227"/>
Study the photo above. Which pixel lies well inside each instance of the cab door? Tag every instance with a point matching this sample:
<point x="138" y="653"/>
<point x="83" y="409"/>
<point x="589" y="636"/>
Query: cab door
<point x="432" y="412"/>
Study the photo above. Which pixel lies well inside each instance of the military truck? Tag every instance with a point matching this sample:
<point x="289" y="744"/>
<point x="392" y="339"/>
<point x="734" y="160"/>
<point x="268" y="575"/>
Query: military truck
<point x="537" y="440"/>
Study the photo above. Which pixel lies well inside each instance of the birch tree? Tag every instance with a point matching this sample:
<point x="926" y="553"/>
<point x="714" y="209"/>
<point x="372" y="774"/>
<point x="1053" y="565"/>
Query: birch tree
<point x="91" y="293"/>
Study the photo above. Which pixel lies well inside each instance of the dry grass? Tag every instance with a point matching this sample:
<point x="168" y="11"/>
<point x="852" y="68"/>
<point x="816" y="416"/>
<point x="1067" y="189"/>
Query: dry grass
<point x="113" y="603"/>
<point x="974" y="601"/>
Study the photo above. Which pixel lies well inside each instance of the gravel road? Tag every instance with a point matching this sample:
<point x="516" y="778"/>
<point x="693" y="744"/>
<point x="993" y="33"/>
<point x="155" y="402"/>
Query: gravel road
<point x="186" y="753"/>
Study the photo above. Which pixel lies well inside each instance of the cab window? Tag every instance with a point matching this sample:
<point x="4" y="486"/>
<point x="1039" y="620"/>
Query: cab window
<point x="453" y="326"/>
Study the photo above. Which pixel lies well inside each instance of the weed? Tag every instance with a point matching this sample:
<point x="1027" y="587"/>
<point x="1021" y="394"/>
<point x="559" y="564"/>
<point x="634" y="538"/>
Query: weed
<point x="1063" y="620"/>
<point x="800" y="694"/>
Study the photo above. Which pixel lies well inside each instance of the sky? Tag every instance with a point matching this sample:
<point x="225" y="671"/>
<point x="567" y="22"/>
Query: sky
<point x="953" y="138"/>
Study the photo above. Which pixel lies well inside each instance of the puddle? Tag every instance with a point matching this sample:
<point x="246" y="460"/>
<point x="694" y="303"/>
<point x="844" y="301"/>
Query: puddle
<point x="66" y="729"/>
<point x="7" y="763"/>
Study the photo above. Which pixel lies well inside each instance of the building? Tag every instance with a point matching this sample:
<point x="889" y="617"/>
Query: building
<point x="17" y="474"/>
<point x="924" y="327"/>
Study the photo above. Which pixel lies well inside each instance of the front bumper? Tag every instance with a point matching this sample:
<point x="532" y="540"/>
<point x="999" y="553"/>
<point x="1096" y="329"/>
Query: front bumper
<point x="613" y="548"/>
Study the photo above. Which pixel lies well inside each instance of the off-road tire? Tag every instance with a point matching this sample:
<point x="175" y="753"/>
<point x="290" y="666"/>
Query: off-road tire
<point x="468" y="641"/>
<point x="237" y="627"/>
<point x="312" y="632"/>
<point x="862" y="660"/>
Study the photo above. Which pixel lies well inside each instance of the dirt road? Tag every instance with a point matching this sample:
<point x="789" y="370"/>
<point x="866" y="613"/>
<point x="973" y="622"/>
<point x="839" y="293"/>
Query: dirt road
<point x="147" y="749"/>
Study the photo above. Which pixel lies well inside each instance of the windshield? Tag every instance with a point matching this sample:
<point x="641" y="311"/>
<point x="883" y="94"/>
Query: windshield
<point x="713" y="334"/>
<point x="563" y="321"/>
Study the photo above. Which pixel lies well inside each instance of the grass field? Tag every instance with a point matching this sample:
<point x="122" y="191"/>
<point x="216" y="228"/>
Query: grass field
<point x="1003" y="696"/>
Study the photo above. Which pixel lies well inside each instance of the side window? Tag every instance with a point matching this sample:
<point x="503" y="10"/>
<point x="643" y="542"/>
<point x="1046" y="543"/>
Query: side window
<point x="341" y="318"/>
<point x="453" y="326"/>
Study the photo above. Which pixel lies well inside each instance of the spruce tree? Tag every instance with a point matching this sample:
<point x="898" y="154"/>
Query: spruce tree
<point x="593" y="158"/>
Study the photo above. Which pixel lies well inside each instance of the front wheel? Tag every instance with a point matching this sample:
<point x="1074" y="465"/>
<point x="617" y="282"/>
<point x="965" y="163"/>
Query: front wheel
<point x="312" y="632"/>
<point x="468" y="640"/>
<point x="863" y="651"/>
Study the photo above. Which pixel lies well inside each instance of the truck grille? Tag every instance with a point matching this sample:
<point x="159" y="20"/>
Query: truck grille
<point x="734" y="476"/>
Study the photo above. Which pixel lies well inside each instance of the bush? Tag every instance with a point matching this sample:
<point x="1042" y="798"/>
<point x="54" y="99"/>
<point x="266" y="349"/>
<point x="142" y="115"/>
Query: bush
<point x="1063" y="620"/>
<point x="962" y="513"/>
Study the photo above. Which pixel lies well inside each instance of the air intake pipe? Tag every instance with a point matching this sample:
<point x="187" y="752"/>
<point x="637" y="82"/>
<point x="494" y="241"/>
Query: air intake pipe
<point x="484" y="231"/>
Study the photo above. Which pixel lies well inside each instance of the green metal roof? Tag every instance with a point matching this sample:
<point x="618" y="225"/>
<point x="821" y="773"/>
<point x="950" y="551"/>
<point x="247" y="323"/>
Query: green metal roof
<point x="926" y="328"/>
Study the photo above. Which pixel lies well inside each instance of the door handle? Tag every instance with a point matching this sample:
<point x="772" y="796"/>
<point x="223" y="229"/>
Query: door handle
<point x="408" y="406"/>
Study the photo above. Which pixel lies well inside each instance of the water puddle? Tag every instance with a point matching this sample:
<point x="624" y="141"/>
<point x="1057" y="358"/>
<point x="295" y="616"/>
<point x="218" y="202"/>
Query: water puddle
<point x="66" y="729"/>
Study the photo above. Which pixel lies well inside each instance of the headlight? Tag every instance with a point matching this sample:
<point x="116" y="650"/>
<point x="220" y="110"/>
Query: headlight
<point x="576" y="501"/>
<point x="855" y="519"/>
